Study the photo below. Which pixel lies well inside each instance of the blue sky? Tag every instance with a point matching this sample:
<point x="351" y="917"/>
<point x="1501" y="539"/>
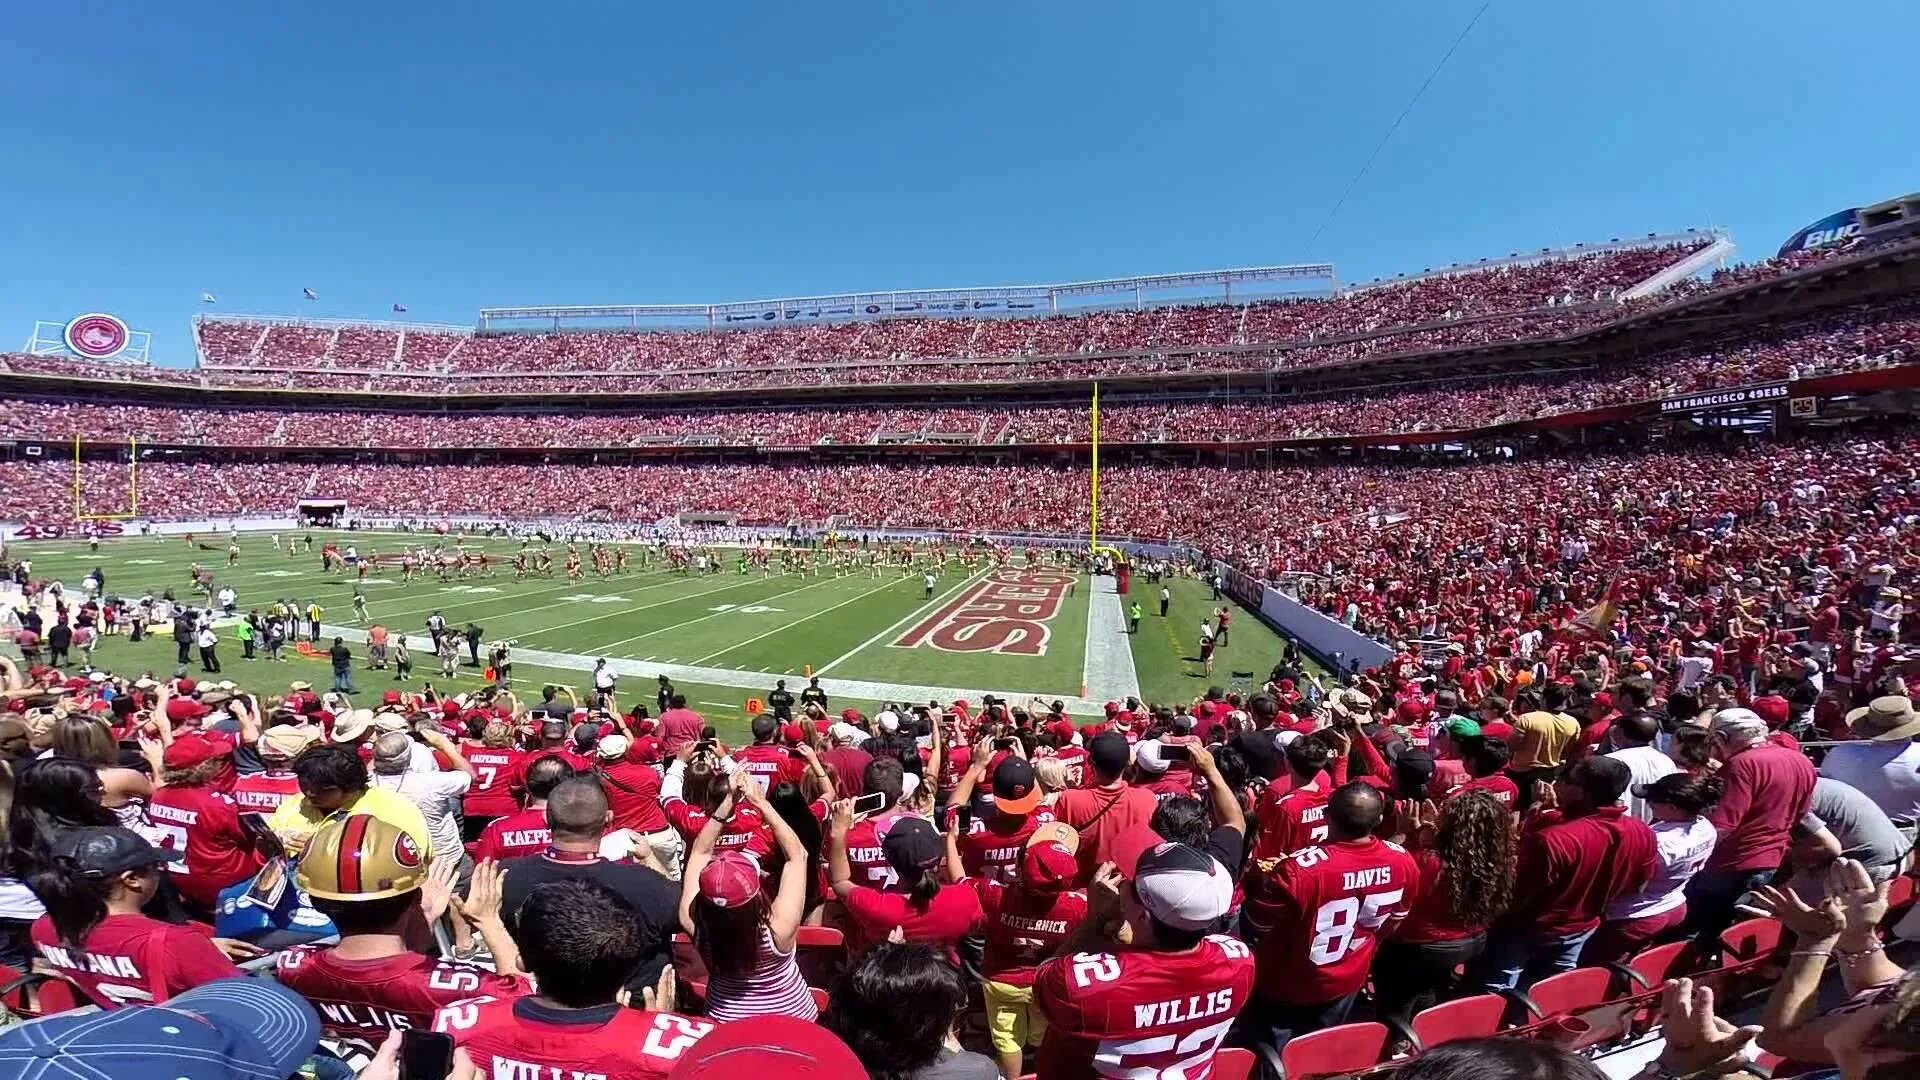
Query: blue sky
<point x="642" y="153"/>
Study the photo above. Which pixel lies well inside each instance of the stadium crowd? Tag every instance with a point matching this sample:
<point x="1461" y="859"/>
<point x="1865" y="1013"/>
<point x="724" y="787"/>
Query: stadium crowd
<point x="1586" y="750"/>
<point x="1804" y="349"/>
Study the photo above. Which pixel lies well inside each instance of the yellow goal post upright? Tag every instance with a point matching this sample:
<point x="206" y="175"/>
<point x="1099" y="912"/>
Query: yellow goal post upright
<point x="1093" y="519"/>
<point x="80" y="511"/>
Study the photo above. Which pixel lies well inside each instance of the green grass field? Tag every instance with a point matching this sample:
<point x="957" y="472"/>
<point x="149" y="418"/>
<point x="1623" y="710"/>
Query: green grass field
<point x="721" y="638"/>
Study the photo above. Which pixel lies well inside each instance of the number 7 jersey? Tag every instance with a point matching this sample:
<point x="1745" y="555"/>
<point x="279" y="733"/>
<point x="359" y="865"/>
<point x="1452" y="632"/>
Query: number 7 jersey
<point x="1318" y="915"/>
<point x="1141" y="1015"/>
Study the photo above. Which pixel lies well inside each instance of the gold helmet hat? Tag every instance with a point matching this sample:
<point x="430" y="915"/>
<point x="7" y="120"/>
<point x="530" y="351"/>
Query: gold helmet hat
<point x="360" y="857"/>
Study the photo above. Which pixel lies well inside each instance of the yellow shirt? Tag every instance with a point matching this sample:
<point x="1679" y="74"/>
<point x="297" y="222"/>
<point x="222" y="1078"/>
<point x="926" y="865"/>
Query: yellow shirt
<point x="1540" y="738"/>
<point x="296" y="820"/>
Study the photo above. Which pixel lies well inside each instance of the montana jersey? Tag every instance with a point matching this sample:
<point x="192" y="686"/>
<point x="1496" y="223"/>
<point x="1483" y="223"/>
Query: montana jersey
<point x="1319" y="912"/>
<point x="519" y="1037"/>
<point x="134" y="959"/>
<point x="1136" y="1013"/>
<point x="365" y="999"/>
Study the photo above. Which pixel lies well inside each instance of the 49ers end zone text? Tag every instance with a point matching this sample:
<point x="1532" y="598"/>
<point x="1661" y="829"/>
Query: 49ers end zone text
<point x="1008" y="612"/>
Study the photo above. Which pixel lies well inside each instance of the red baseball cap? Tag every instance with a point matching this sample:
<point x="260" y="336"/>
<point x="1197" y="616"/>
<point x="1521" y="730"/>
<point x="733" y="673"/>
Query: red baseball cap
<point x="392" y="697"/>
<point x="1773" y="709"/>
<point x="1050" y="864"/>
<point x="793" y="733"/>
<point x="647" y="749"/>
<point x="784" y="1046"/>
<point x="851" y="716"/>
<point x="186" y="751"/>
<point x="186" y="686"/>
<point x="730" y="880"/>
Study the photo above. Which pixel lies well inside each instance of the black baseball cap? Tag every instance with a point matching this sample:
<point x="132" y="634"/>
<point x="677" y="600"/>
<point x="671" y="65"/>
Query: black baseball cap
<point x="105" y="852"/>
<point x="1015" y="791"/>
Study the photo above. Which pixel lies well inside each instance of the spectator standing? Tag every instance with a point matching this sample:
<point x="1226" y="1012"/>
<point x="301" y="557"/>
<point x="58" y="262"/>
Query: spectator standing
<point x="845" y="761"/>
<point x="201" y="822"/>
<point x="438" y="794"/>
<point x="1164" y="1002"/>
<point x="912" y="898"/>
<point x="1884" y="762"/>
<point x="1541" y="738"/>
<point x="679" y="725"/>
<point x="497" y="766"/>
<point x="746" y="939"/>
<point x="578" y="815"/>
<point x="633" y="790"/>
<point x="1110" y="809"/>
<point x="1683" y="841"/>
<point x="1579" y="852"/>
<point x="1315" y="918"/>
<point x="1768" y="789"/>
<point x="581" y="942"/>
<point x="1630" y="740"/>
<point x="1027" y="918"/>
<point x="1842" y="823"/>
<point x="524" y="832"/>
<point x="1465" y="862"/>
<point x="263" y="792"/>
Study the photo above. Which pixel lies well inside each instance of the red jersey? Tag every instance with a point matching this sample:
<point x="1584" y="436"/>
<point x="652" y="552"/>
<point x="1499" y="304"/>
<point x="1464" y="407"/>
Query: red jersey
<point x="746" y="832"/>
<point x="864" y="855"/>
<point x="520" y="1037"/>
<point x="768" y="765"/>
<point x="1431" y="918"/>
<point x="1295" y="820"/>
<point x="1138" y="1013"/>
<point x="992" y="848"/>
<point x="131" y="958"/>
<point x="1319" y="912"/>
<point x="523" y="832"/>
<point x="262" y="793"/>
<point x="953" y="914"/>
<point x="205" y="825"/>
<point x="633" y="792"/>
<point x="1075" y="759"/>
<point x="365" y="999"/>
<point x="496" y="771"/>
<point x="1024" y="928"/>
<point x="1498" y="785"/>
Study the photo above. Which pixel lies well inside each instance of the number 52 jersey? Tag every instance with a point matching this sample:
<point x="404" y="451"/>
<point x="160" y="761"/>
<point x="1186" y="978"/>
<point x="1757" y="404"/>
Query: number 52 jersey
<point x="1139" y="1014"/>
<point x="521" y="1037"/>
<point x="365" y="999"/>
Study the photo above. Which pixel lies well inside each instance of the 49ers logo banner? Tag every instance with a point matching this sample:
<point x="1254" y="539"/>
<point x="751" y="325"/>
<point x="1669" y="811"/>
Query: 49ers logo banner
<point x="1007" y="612"/>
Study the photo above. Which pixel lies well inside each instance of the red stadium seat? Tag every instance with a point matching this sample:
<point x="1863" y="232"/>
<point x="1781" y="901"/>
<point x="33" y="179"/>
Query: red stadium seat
<point x="821" y="952"/>
<point x="1750" y="951"/>
<point x="38" y="993"/>
<point x="1643" y="977"/>
<point x="1334" y="1051"/>
<point x="1566" y="1007"/>
<point x="1463" y="1018"/>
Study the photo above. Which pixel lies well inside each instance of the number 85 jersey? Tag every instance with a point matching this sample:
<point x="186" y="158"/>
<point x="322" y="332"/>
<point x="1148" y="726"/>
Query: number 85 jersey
<point x="1318" y="914"/>
<point x="1141" y="1015"/>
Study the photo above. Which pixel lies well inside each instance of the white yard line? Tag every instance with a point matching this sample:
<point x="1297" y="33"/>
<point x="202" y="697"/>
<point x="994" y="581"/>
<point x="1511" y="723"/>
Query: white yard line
<point x="1108" y="665"/>
<point x="916" y="613"/>
<point x="714" y="615"/>
<point x="794" y="623"/>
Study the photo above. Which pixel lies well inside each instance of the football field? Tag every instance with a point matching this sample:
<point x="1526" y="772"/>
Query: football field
<point x="720" y="637"/>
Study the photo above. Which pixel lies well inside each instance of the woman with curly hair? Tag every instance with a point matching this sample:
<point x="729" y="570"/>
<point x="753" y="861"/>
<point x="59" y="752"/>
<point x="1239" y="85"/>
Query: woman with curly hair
<point x="1465" y="854"/>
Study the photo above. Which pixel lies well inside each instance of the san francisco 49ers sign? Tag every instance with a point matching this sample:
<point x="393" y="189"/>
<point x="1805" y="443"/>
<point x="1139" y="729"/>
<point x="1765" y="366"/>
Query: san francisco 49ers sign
<point x="97" y="336"/>
<point x="1009" y="611"/>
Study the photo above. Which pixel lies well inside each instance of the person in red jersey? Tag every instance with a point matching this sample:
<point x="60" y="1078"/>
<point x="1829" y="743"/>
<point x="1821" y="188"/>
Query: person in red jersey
<point x="93" y="886"/>
<point x="374" y="882"/>
<point x="1465" y="857"/>
<point x="992" y="846"/>
<point x="680" y="725"/>
<point x="1027" y="918"/>
<point x="524" y="832"/>
<point x="1161" y="1005"/>
<point x="1316" y="916"/>
<point x="633" y="790"/>
<point x="692" y="790"/>
<point x="1295" y="817"/>
<point x="1767" y="790"/>
<point x="201" y="823"/>
<point x="580" y="941"/>
<point x="1577" y="856"/>
<point x="263" y="792"/>
<point x="1108" y="810"/>
<point x="1486" y="761"/>
<point x="866" y="859"/>
<point x="766" y="760"/>
<point x="914" y="901"/>
<point x="497" y="766"/>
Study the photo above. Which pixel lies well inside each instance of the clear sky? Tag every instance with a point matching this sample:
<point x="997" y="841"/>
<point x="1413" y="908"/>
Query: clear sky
<point x="452" y="157"/>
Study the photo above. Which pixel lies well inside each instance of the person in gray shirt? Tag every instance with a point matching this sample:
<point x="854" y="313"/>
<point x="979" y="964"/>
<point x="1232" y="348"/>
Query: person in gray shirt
<point x="1843" y="823"/>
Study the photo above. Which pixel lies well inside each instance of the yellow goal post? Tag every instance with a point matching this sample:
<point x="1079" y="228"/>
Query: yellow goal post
<point x="80" y="510"/>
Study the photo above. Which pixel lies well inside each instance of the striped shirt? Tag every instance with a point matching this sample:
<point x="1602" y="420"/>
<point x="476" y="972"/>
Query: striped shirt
<point x="773" y="987"/>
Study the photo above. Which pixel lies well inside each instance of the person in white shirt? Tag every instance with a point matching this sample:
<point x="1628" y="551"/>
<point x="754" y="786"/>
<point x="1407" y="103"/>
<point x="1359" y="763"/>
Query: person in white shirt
<point x="603" y="681"/>
<point x="1884" y="760"/>
<point x="1683" y="842"/>
<point x="1631" y="741"/>
<point x="1694" y="669"/>
<point x="438" y="794"/>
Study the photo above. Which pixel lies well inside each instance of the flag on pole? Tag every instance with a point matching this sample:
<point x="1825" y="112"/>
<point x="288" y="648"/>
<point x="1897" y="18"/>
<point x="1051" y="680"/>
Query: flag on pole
<point x="401" y="308"/>
<point x="208" y="298"/>
<point x="1597" y="621"/>
<point x="309" y="294"/>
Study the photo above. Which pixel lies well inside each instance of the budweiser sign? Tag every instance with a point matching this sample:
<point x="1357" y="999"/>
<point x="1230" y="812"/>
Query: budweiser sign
<point x="1009" y="611"/>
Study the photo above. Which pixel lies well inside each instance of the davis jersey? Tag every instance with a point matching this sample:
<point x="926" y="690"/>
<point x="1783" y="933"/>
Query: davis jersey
<point x="1319" y="912"/>
<point x="1139" y="1014"/>
<point x="365" y="999"/>
<point x="520" y="1038"/>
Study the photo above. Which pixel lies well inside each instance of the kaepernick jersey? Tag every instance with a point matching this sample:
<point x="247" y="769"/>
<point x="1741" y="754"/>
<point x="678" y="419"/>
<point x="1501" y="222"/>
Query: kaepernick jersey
<point x="519" y="1037"/>
<point x="1319" y="913"/>
<point x="1295" y="820"/>
<point x="134" y="959"/>
<point x="496" y="770"/>
<point x="204" y="825"/>
<point x="746" y="833"/>
<point x="1022" y="927"/>
<point x="262" y="793"/>
<point x="1135" y="1013"/>
<point x="768" y="764"/>
<point x="865" y="857"/>
<point x="365" y="999"/>
<point x="992" y="849"/>
<point x="523" y="832"/>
